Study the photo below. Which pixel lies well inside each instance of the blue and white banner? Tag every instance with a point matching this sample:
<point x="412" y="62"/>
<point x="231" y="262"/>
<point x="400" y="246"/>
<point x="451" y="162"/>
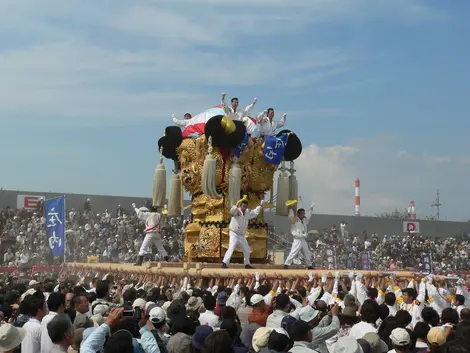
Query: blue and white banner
<point x="274" y="147"/>
<point x="55" y="225"/>
<point x="427" y="263"/>
<point x="365" y="261"/>
<point x="241" y="147"/>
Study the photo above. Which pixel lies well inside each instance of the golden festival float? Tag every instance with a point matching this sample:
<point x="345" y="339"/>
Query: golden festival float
<point x="217" y="167"/>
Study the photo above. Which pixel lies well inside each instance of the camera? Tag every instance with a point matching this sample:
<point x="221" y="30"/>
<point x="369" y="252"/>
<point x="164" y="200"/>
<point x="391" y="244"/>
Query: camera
<point x="129" y="311"/>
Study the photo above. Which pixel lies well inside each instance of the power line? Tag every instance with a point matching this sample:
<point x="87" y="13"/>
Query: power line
<point x="437" y="204"/>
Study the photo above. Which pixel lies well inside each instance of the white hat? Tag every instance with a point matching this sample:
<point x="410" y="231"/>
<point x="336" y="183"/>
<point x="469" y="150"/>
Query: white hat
<point x="256" y="299"/>
<point x="377" y="345"/>
<point x="100" y="310"/>
<point x="139" y="303"/>
<point x="400" y="337"/>
<point x="157" y="315"/>
<point x="148" y="304"/>
<point x="307" y="313"/>
<point x="347" y="344"/>
<point x="33" y="283"/>
<point x="30" y="291"/>
<point x="10" y="337"/>
<point x="260" y="338"/>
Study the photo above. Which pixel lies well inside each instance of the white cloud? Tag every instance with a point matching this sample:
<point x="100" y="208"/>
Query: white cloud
<point x="388" y="181"/>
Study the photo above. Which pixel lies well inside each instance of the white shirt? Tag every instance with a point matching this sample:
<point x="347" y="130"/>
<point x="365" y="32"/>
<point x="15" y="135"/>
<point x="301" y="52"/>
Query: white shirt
<point x="32" y="340"/>
<point x="268" y="127"/>
<point x="392" y="310"/>
<point x="239" y="114"/>
<point x="360" y="329"/>
<point x="239" y="221"/>
<point x="343" y="226"/>
<point x="208" y="318"/>
<point x="46" y="343"/>
<point x="299" y="228"/>
<point x="152" y="220"/>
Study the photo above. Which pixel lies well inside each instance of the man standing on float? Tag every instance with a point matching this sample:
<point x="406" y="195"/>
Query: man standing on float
<point x="152" y="220"/>
<point x="237" y="230"/>
<point x="298" y="230"/>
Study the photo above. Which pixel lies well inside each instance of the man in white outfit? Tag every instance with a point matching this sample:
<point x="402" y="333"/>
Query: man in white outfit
<point x="298" y="230"/>
<point x="237" y="229"/>
<point x="233" y="112"/>
<point x="267" y="124"/>
<point x="152" y="220"/>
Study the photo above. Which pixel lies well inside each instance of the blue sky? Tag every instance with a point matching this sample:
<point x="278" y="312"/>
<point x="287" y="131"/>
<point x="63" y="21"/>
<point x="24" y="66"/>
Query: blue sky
<point x="375" y="89"/>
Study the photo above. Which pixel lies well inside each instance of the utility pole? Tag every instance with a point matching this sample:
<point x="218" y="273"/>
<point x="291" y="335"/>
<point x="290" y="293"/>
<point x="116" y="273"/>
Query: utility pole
<point x="437" y="204"/>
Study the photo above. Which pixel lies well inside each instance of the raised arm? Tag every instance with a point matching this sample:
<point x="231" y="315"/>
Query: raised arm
<point x="178" y="122"/>
<point x="261" y="116"/>
<point x="234" y="211"/>
<point x="140" y="214"/>
<point x="249" y="107"/>
<point x="309" y="212"/>
<point x="281" y="122"/>
<point x="254" y="213"/>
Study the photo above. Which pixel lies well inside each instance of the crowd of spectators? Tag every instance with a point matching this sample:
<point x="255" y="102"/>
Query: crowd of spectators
<point x="335" y="249"/>
<point x="328" y="314"/>
<point x="108" y="236"/>
<point x="117" y="236"/>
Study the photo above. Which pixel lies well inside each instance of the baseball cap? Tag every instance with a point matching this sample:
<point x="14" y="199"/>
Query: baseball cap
<point x="10" y="337"/>
<point x="400" y="337"/>
<point x="222" y="298"/>
<point x="139" y="303"/>
<point x="377" y="345"/>
<point x="308" y="313"/>
<point x="436" y="337"/>
<point x="287" y="322"/>
<point x="261" y="338"/>
<point x="33" y="282"/>
<point x="100" y="309"/>
<point x="157" y="315"/>
<point x="256" y="299"/>
<point x="200" y="335"/>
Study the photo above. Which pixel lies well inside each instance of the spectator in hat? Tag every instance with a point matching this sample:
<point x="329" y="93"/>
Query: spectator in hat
<point x="221" y="302"/>
<point x="347" y="344"/>
<point x="436" y="338"/>
<point x="287" y="322"/>
<point x="323" y="328"/>
<point x="301" y="334"/>
<point x="259" y="314"/>
<point x="209" y="317"/>
<point x="199" y="337"/>
<point x="279" y="341"/>
<point x="376" y="344"/>
<point x="10" y="338"/>
<point x="261" y="338"/>
<point x="158" y="318"/>
<point x="401" y="340"/>
<point x="195" y="304"/>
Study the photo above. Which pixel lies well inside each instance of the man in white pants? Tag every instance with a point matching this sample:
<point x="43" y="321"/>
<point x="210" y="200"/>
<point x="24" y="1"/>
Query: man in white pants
<point x="298" y="230"/>
<point x="152" y="220"/>
<point x="237" y="229"/>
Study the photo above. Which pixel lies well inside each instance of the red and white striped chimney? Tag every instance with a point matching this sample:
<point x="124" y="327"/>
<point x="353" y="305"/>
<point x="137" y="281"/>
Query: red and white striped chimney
<point x="412" y="210"/>
<point x="357" y="198"/>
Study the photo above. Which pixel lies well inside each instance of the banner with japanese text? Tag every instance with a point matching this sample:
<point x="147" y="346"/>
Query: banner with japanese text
<point x="55" y="225"/>
<point x="274" y="147"/>
<point x="427" y="262"/>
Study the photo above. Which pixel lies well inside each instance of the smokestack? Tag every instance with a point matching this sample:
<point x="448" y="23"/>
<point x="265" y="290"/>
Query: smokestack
<point x="357" y="199"/>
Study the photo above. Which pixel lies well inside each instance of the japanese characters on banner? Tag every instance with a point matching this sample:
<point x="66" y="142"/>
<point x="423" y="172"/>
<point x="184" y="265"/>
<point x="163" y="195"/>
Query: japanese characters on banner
<point x="365" y="260"/>
<point x="274" y="147"/>
<point x="331" y="258"/>
<point x="55" y="225"/>
<point x="241" y="147"/>
<point x="427" y="263"/>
